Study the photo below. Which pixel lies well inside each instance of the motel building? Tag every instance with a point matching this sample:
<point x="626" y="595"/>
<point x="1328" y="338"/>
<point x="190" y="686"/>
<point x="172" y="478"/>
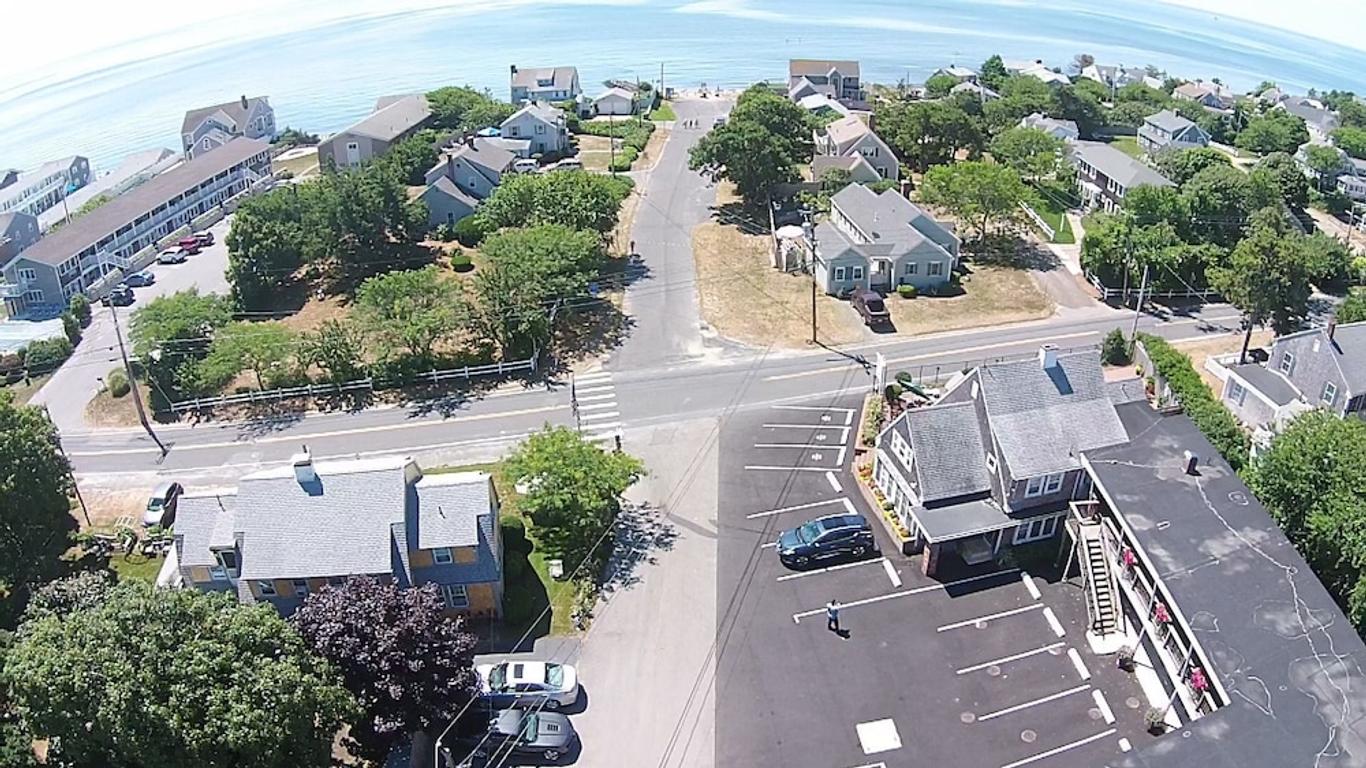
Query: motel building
<point x="1240" y="651"/>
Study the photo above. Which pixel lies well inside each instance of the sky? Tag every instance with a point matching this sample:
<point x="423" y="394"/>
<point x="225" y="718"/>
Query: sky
<point x="98" y="34"/>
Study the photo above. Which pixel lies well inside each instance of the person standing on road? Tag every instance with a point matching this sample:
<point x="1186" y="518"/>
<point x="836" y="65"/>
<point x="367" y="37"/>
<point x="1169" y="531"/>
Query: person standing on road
<point x="832" y="616"/>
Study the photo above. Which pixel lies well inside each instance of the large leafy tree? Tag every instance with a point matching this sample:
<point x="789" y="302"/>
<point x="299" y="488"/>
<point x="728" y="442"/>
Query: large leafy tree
<point x="1353" y="308"/>
<point x="409" y="666"/>
<point x="980" y="193"/>
<point x="35" y="510"/>
<point x="264" y="348"/>
<point x="465" y="109"/>
<point x="779" y="116"/>
<point x="336" y="347"/>
<point x="171" y="334"/>
<point x="993" y="72"/>
<point x="1220" y="199"/>
<point x="575" y="199"/>
<point x="758" y="148"/>
<point x="574" y="491"/>
<point x="1030" y="151"/>
<point x="938" y="86"/>
<point x="412" y="310"/>
<point x="928" y="133"/>
<point x="1280" y="172"/>
<point x="529" y="268"/>
<point x="1351" y="140"/>
<point x="1273" y="131"/>
<point x="1267" y="275"/>
<point x="1325" y="163"/>
<point x="1181" y="165"/>
<point x="1312" y="480"/>
<point x="265" y="246"/>
<point x="175" y="679"/>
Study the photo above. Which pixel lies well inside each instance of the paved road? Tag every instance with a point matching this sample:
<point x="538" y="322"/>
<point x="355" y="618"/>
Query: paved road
<point x="662" y="305"/>
<point x="79" y="379"/>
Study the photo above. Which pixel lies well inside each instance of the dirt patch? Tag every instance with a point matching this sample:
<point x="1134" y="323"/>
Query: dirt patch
<point x="109" y="506"/>
<point x="104" y="411"/>
<point x="992" y="295"/>
<point x="619" y="244"/>
<point x="23" y="391"/>
<point x="317" y="311"/>
<point x="653" y="149"/>
<point x="1229" y="343"/>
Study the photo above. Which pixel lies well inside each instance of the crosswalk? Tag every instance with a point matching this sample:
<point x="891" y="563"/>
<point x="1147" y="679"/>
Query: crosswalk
<point x="599" y="416"/>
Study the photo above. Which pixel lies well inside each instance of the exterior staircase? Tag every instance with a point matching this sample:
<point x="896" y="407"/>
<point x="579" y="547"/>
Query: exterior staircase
<point x="1102" y="595"/>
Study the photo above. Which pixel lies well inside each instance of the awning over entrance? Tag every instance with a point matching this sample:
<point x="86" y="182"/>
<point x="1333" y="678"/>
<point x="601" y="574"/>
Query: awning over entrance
<point x="957" y="521"/>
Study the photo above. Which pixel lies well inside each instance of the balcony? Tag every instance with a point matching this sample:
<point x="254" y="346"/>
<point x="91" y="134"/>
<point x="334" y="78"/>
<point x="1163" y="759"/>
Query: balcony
<point x="12" y="290"/>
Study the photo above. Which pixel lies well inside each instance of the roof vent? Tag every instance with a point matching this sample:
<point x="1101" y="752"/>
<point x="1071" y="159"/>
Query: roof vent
<point x="1192" y="463"/>
<point x="303" y="467"/>
<point x="1048" y="356"/>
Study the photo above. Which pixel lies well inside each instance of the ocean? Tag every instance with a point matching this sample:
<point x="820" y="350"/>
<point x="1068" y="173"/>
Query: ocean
<point x="326" y="77"/>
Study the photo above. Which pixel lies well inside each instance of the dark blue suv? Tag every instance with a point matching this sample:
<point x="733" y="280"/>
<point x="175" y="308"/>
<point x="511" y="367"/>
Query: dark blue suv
<point x="827" y="538"/>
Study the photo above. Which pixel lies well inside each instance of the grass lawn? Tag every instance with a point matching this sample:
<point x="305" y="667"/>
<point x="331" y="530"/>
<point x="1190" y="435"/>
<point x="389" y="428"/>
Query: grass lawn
<point x="527" y="586"/>
<point x="992" y="295"/>
<point x="665" y="111"/>
<point x="136" y="567"/>
<point x="1128" y="145"/>
<point x="595" y="152"/>
<point x="300" y="166"/>
<point x="1056" y="217"/>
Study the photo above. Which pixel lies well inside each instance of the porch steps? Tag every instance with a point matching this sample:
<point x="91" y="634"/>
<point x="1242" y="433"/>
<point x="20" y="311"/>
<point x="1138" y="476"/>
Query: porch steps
<point x="1099" y="579"/>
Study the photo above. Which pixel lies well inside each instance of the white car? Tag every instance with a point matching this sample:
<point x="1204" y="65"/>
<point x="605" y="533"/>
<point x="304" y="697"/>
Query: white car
<point x="173" y="255"/>
<point x="528" y="684"/>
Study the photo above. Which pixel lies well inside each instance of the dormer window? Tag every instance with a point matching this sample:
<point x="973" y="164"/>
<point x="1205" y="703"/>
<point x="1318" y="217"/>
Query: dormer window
<point x="227" y="567"/>
<point x="442" y="556"/>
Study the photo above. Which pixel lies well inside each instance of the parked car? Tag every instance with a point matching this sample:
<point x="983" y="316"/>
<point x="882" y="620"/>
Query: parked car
<point x="568" y="164"/>
<point x="718" y="121"/>
<point x="528" y="684"/>
<point x="140" y="279"/>
<point x="161" y="505"/>
<point x="522" y="733"/>
<point x="190" y="243"/>
<point x="173" y="255"/>
<point x="870" y="306"/>
<point x="825" y="538"/>
<point x="525" y="165"/>
<point x="205" y="238"/>
<point x="119" y="296"/>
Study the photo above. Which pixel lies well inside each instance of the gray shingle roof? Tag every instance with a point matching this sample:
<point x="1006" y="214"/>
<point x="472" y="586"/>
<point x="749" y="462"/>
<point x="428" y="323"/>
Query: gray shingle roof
<point x="1118" y="166"/>
<point x="398" y="116"/>
<point x="1268" y="382"/>
<point x="105" y="220"/>
<point x="947" y="443"/>
<point x="200" y="518"/>
<point x="448" y="509"/>
<point x="890" y="220"/>
<point x="527" y="77"/>
<point x="1321" y="119"/>
<point x="445" y="186"/>
<point x="804" y="67"/>
<point x="1349" y="352"/>
<point x="235" y="110"/>
<point x="846" y="130"/>
<point x="1169" y="121"/>
<point x="1043" y="419"/>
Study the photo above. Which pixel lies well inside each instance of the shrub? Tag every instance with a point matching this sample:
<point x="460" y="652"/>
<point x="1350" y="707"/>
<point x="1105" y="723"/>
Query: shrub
<point x="117" y="381"/>
<point x="1115" y="350"/>
<point x="906" y="291"/>
<point x="892" y="392"/>
<point x="460" y="261"/>
<point x="470" y="231"/>
<point x="44" y="356"/>
<point x="1213" y="419"/>
<point x="80" y="308"/>
<point x="872" y="422"/>
<point x="11" y="368"/>
<point x="72" y="327"/>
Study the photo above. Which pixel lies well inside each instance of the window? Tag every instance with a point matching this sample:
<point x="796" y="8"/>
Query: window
<point x="442" y="556"/>
<point x="205" y="143"/>
<point x="540" y="128"/>
<point x="1330" y="393"/>
<point x="353" y="146"/>
<point x="839" y="273"/>
<point x="1036" y="529"/>
<point x="455" y="595"/>
<point x="912" y="268"/>
<point x="266" y="588"/>
<point x="300" y="587"/>
<point x="1287" y="363"/>
<point x="856" y="273"/>
<point x="1043" y="484"/>
<point x="935" y="269"/>
<point x="1237" y="393"/>
<point x="901" y="448"/>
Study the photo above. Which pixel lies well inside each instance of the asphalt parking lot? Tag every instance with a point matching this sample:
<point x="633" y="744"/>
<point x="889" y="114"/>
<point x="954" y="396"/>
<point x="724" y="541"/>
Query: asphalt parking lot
<point x="982" y="669"/>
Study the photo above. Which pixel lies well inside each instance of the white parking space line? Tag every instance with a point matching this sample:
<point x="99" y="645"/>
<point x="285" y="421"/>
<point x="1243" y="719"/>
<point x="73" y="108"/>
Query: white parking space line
<point x="597" y="406"/>
<point x="1078" y="663"/>
<point x="595" y="398"/>
<point x="1034" y="703"/>
<point x="1008" y="659"/>
<point x="589" y="390"/>
<point x="845" y="430"/>
<point x="1103" y="706"/>
<point x="1029" y="584"/>
<point x="1124" y="745"/>
<point x="834" y="481"/>
<point x="781" y="510"/>
<point x="891" y="573"/>
<point x="766" y="468"/>
<point x="1053" y="622"/>
<point x="797" y="617"/>
<point x="849" y="506"/>
<point x="828" y="569"/>
<point x="872" y="765"/>
<point x="1059" y="750"/>
<point x="820" y="408"/>
<point x="849" y="418"/>
<point x="840" y="459"/>
<point x="988" y="618"/>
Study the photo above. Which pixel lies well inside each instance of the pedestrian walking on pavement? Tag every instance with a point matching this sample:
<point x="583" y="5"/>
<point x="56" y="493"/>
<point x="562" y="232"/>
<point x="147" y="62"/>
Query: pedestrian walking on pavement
<point x="832" y="616"/>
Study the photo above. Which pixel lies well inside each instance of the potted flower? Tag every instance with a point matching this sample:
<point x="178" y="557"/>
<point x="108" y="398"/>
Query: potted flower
<point x="1125" y="660"/>
<point x="1128" y="558"/>
<point x="1155" y="720"/>
<point x="1199" y="683"/>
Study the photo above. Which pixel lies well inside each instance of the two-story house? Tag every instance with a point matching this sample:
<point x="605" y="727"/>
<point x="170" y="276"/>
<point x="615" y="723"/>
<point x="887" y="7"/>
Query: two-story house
<point x="850" y="136"/>
<point x="996" y="460"/>
<point x="1066" y="130"/>
<point x="1105" y="175"/>
<point x="395" y="118"/>
<point x="285" y="532"/>
<point x="1114" y="78"/>
<point x="1168" y="130"/>
<point x="553" y="84"/>
<point x="37" y="190"/>
<point x="1208" y="95"/>
<point x="542" y="124"/>
<point x="1320" y="120"/>
<point x="208" y="128"/>
<point x="880" y="241"/>
<point x="1318" y="368"/>
<point x="463" y="178"/>
<point x="837" y="79"/>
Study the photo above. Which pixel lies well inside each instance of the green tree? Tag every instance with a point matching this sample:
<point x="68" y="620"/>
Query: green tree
<point x="1329" y="261"/>
<point x="265" y="246"/>
<point x="411" y="158"/>
<point x="1351" y="140"/>
<point x="747" y="155"/>
<point x="778" y="116"/>
<point x="1280" y="171"/>
<point x="938" y="86"/>
<point x="465" y="109"/>
<point x="171" y="334"/>
<point x="1351" y="113"/>
<point x="993" y="73"/>
<point x="1115" y="348"/>
<point x="1080" y="105"/>
<point x="1030" y="151"/>
<point x="79" y="307"/>
<point x="527" y="269"/>
<point x="1267" y="276"/>
<point x="409" y="666"/>
<point x="1181" y="165"/>
<point x="336" y="347"/>
<point x="35" y="510"/>
<point x="177" y="679"/>
<point x="574" y="491"/>
<point x="1325" y="163"/>
<point x="413" y="310"/>
<point x="1353" y="308"/>
<point x="510" y="310"/>
<point x="928" y="133"/>
<point x="1220" y="199"/>
<point x="979" y="193"/>
<point x="575" y="199"/>
<point x="1273" y="131"/>
<point x="264" y="348"/>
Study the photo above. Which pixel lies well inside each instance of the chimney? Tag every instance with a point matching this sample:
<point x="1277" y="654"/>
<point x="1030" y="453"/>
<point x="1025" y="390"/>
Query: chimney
<point x="244" y="101"/>
<point x="1048" y="356"/>
<point x="1332" y="327"/>
<point x="513" y="67"/>
<point x="1192" y="463"/>
<point x="303" y="467"/>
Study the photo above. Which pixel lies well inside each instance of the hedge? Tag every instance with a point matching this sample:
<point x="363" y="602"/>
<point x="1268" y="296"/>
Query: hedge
<point x="1213" y="419"/>
<point x="45" y="355"/>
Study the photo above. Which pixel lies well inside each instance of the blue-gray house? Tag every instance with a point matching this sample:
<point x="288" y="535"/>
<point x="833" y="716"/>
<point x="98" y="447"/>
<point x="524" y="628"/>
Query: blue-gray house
<point x="880" y="241"/>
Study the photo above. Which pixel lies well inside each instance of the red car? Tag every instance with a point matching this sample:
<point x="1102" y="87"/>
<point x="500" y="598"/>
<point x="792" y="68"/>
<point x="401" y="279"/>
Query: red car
<point x="190" y="244"/>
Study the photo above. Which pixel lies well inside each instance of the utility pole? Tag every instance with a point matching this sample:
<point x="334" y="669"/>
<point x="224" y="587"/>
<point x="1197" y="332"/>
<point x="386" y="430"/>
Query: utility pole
<point x="133" y="382"/>
<point x="809" y="229"/>
<point x="1138" y="308"/>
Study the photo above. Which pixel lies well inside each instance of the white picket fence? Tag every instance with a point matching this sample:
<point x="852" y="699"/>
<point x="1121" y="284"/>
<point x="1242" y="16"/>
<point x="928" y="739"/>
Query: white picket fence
<point x="1038" y="221"/>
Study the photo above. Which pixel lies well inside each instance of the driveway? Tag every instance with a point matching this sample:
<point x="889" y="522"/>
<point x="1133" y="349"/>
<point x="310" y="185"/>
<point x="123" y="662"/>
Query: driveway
<point x="79" y="379"/>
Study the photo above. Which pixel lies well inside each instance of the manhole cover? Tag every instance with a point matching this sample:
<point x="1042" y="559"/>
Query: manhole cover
<point x="968" y="717"/>
<point x="1094" y="713"/>
<point x="994" y="671"/>
<point x="1131" y="703"/>
<point x="1028" y="736"/>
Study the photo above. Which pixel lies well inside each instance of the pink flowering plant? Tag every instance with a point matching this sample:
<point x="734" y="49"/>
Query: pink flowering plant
<point x="1160" y="613"/>
<point x="1128" y="558"/>
<point x="1199" y="683"/>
